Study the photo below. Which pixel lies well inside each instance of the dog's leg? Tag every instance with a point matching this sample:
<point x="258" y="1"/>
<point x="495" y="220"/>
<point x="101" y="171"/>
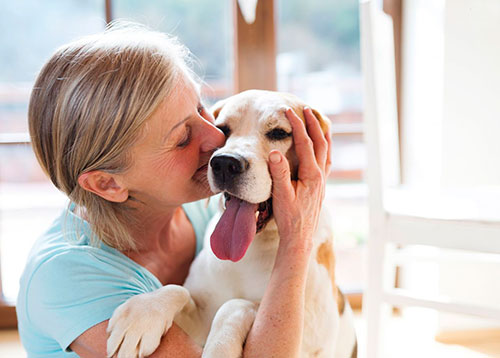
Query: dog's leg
<point x="229" y="329"/>
<point x="137" y="326"/>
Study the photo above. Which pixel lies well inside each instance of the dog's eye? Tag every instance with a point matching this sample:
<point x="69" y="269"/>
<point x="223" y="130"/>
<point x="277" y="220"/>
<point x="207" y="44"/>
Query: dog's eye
<point x="225" y="129"/>
<point x="277" y="134"/>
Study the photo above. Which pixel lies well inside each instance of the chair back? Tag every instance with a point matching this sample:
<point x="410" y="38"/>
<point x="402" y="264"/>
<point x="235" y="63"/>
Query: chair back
<point x="380" y="104"/>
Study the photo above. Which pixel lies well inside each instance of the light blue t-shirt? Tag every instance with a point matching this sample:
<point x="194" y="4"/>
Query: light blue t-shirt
<point x="69" y="286"/>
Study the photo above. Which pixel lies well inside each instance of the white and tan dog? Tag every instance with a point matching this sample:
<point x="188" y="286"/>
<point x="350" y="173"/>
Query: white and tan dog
<point x="220" y="297"/>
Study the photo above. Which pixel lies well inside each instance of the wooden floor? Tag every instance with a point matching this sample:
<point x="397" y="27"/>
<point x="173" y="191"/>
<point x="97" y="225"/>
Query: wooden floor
<point x="10" y="346"/>
<point x="405" y="337"/>
<point x="411" y="336"/>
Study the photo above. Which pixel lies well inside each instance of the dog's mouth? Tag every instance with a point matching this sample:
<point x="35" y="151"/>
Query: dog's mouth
<point x="263" y="213"/>
<point x="237" y="227"/>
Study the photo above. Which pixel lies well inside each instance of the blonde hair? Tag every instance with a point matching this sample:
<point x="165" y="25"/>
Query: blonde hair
<point x="88" y="106"/>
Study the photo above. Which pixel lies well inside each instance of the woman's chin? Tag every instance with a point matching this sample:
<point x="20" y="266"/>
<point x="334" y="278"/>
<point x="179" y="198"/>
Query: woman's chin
<point x="200" y="178"/>
<point x="200" y="190"/>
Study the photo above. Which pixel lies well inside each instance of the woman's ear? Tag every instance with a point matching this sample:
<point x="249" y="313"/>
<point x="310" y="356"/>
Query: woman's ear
<point x="106" y="185"/>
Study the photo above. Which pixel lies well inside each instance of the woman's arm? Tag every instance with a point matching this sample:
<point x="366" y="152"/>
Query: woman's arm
<point x="175" y="343"/>
<point x="277" y="330"/>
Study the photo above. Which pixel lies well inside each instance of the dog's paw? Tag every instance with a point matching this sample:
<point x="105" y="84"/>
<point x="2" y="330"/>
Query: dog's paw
<point x="136" y="327"/>
<point x="230" y="328"/>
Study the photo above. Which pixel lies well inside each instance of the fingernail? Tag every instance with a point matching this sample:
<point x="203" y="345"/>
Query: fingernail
<point x="274" y="157"/>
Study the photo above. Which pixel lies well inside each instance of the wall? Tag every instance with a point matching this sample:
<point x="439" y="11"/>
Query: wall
<point x="471" y="137"/>
<point x="422" y="88"/>
<point x="471" y="127"/>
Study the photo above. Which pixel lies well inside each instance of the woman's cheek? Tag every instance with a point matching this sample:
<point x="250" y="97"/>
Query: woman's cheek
<point x="164" y="163"/>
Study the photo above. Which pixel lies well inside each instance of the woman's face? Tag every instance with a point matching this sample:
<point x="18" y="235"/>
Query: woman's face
<point x="170" y="159"/>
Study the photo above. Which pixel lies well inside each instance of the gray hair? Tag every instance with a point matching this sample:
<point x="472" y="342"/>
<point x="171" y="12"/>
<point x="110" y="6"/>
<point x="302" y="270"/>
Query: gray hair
<point x="89" y="105"/>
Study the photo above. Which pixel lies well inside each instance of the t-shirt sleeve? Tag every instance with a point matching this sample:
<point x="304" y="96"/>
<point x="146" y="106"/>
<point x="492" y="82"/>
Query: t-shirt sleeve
<point x="75" y="290"/>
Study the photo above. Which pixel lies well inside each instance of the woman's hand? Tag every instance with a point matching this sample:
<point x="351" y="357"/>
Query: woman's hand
<point x="297" y="204"/>
<point x="278" y="327"/>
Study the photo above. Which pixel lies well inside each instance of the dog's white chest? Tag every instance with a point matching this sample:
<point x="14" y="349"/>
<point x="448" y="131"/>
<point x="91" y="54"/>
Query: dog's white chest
<point x="219" y="281"/>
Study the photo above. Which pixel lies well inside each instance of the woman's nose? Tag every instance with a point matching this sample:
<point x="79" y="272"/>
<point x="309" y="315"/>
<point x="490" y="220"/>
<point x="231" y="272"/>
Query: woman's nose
<point x="212" y="136"/>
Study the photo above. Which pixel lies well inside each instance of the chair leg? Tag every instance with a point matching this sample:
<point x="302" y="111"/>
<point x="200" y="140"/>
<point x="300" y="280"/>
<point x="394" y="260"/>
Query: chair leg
<point x="373" y="336"/>
<point x="373" y="306"/>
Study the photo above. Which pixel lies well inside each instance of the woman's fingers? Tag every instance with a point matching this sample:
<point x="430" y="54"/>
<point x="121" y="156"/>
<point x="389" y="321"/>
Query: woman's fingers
<point x="296" y="203"/>
<point x="328" y="165"/>
<point x="318" y="137"/>
<point x="283" y="190"/>
<point x="304" y="146"/>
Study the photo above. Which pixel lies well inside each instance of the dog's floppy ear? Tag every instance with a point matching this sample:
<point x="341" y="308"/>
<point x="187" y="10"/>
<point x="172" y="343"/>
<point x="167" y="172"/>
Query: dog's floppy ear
<point x="216" y="108"/>
<point x="298" y="107"/>
<point x="324" y="122"/>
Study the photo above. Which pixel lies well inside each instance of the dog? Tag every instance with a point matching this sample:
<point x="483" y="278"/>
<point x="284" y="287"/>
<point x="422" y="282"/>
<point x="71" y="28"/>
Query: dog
<point x="219" y="300"/>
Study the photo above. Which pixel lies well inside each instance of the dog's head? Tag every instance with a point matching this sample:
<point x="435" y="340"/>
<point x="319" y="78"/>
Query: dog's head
<point x="254" y="123"/>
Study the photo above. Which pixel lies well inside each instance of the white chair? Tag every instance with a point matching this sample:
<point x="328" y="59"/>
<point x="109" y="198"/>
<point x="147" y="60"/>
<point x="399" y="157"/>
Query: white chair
<point x="399" y="216"/>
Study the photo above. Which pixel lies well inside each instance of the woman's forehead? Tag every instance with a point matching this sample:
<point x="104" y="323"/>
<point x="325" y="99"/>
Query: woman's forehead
<point x="173" y="109"/>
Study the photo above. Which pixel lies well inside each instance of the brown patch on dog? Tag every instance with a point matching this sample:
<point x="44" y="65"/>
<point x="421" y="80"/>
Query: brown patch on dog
<point x="298" y="107"/>
<point x="355" y="350"/>
<point x="326" y="257"/>
<point x="324" y="124"/>
<point x="216" y="108"/>
<point x="340" y="301"/>
<point x="317" y="353"/>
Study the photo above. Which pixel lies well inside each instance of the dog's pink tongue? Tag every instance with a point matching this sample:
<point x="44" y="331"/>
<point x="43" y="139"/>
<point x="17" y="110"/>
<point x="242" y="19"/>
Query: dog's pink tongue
<point x="235" y="230"/>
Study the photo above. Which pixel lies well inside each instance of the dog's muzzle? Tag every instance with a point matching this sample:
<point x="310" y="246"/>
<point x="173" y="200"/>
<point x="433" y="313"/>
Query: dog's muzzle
<point x="227" y="169"/>
<point x="241" y="219"/>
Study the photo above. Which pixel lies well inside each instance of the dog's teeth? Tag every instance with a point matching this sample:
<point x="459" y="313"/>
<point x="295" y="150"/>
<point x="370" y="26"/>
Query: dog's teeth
<point x="257" y="214"/>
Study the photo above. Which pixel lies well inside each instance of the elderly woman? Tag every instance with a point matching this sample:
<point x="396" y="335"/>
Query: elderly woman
<point x="117" y="123"/>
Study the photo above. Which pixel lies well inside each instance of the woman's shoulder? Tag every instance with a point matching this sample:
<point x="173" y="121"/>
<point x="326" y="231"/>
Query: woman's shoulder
<point x="66" y="253"/>
<point x="74" y="283"/>
<point x="68" y="236"/>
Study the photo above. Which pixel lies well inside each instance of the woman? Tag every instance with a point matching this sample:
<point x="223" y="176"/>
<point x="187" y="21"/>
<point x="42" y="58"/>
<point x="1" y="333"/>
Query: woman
<point x="117" y="124"/>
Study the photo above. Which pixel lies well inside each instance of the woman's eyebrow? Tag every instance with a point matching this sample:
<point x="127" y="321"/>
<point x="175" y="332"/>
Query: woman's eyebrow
<point x="174" y="127"/>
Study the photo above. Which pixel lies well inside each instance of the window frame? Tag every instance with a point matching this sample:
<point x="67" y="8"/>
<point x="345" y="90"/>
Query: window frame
<point x="248" y="45"/>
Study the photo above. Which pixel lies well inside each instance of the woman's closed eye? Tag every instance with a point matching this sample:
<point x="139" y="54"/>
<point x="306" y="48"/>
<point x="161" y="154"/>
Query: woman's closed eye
<point x="186" y="139"/>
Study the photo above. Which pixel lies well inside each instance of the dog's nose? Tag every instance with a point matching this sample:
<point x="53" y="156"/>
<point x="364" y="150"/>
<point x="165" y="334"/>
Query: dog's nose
<point x="226" y="167"/>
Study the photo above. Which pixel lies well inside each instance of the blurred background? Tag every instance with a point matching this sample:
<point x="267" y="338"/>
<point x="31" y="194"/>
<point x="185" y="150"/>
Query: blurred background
<point x="316" y="55"/>
<point x="447" y="54"/>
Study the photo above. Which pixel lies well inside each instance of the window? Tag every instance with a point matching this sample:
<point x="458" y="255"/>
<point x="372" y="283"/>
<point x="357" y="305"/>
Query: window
<point x="40" y="28"/>
<point x="204" y="26"/>
<point x="319" y="60"/>
<point x="35" y="29"/>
